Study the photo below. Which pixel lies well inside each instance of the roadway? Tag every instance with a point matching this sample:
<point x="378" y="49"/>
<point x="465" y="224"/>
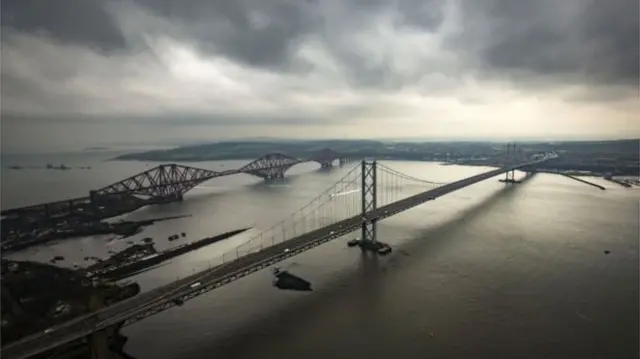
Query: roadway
<point x="162" y="298"/>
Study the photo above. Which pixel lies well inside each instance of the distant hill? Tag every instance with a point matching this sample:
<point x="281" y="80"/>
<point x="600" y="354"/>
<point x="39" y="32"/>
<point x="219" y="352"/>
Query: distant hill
<point x="619" y="156"/>
<point x="248" y="150"/>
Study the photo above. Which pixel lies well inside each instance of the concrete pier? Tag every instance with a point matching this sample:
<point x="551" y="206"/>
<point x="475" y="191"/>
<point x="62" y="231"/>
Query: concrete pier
<point x="107" y="344"/>
<point x="584" y="181"/>
<point x="371" y="246"/>
<point x="510" y="180"/>
<point x="620" y="183"/>
<point x="104" y="344"/>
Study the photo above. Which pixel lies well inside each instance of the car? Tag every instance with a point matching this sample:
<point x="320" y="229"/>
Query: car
<point x="195" y="285"/>
<point x="48" y="330"/>
<point x="332" y="232"/>
<point x="286" y="250"/>
<point x="430" y="198"/>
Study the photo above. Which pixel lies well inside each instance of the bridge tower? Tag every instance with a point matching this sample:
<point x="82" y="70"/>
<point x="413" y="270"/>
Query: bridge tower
<point x="509" y="176"/>
<point x="369" y="240"/>
<point x="369" y="197"/>
<point x="511" y="159"/>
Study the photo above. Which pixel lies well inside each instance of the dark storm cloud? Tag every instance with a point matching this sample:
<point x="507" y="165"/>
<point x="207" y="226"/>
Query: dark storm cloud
<point x="598" y="44"/>
<point x="424" y="14"/>
<point x="261" y="33"/>
<point x="377" y="46"/>
<point x="613" y="25"/>
<point x="593" y="42"/>
<point x="257" y="33"/>
<point x="78" y="22"/>
<point x="367" y="61"/>
<point x="265" y="33"/>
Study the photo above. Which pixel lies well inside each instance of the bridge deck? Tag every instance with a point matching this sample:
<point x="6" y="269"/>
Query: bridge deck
<point x="161" y="298"/>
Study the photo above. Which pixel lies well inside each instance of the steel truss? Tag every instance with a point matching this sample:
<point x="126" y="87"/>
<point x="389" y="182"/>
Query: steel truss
<point x="163" y="181"/>
<point x="172" y="181"/>
<point x="271" y="166"/>
<point x="326" y="157"/>
<point x="369" y="200"/>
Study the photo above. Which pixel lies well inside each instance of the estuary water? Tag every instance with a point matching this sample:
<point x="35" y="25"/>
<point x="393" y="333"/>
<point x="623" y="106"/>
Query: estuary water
<point x="491" y="271"/>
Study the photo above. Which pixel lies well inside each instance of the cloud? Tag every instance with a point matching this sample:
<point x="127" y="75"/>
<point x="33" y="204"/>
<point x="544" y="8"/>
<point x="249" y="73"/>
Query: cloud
<point x="412" y="64"/>
<point x="76" y="22"/>
<point x="589" y="42"/>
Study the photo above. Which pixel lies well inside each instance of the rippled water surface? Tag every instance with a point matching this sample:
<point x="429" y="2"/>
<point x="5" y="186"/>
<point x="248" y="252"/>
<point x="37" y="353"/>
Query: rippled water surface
<point x="491" y="271"/>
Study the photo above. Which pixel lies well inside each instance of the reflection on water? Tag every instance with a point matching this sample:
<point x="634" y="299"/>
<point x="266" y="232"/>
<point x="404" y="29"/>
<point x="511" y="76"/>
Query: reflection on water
<point x="493" y="270"/>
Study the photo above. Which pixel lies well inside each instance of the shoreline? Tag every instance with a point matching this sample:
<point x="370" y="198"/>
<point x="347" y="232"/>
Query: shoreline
<point x="126" y="270"/>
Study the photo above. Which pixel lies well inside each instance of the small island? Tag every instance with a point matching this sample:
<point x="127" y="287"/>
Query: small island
<point x="96" y="149"/>
<point x="49" y="166"/>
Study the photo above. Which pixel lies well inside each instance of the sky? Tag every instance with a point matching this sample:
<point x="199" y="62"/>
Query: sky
<point x="78" y="73"/>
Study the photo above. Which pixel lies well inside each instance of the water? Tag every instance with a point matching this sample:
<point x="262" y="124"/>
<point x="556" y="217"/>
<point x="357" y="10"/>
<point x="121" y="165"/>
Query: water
<point x="489" y="271"/>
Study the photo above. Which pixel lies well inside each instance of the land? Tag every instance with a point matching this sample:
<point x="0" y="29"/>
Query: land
<point x="37" y="296"/>
<point x="606" y="158"/>
<point x="141" y="257"/>
<point x="49" y="166"/>
<point x="20" y="235"/>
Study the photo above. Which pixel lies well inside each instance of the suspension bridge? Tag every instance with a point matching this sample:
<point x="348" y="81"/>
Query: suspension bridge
<point x="368" y="193"/>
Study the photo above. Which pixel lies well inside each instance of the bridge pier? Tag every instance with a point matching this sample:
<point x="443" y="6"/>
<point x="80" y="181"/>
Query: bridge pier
<point x="510" y="177"/>
<point x="343" y="161"/>
<point x="10" y="301"/>
<point x="272" y="175"/>
<point x="107" y="343"/>
<point x="99" y="345"/>
<point x="104" y="344"/>
<point x="369" y="241"/>
<point x="177" y="197"/>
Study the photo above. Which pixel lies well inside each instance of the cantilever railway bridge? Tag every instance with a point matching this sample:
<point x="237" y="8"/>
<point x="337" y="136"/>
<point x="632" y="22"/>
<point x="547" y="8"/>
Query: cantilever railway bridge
<point x="165" y="183"/>
<point x="367" y="194"/>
